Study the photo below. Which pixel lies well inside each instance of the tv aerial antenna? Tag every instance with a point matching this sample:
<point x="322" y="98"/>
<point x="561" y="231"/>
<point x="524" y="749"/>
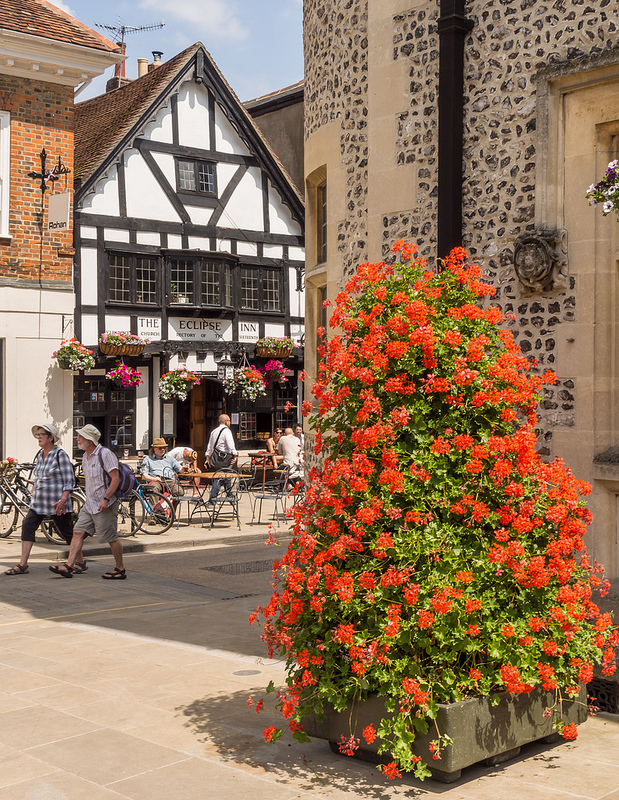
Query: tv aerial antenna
<point x="120" y="31"/>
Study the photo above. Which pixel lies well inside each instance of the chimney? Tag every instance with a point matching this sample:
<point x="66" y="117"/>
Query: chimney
<point x="156" y="60"/>
<point x="119" y="69"/>
<point x="142" y="67"/>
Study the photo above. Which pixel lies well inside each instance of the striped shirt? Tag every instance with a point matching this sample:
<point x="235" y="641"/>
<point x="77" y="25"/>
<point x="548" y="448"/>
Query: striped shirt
<point x="52" y="476"/>
<point x="96" y="484"/>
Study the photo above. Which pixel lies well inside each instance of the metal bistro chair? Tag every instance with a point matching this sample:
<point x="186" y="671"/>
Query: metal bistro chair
<point x="229" y="494"/>
<point x="270" y="490"/>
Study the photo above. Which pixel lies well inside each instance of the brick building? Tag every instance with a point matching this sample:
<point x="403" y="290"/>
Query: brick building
<point x="481" y="123"/>
<point x="45" y="55"/>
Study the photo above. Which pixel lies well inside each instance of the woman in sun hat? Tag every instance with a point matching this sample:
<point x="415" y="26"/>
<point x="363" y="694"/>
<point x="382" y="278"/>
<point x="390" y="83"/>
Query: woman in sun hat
<point x="160" y="469"/>
<point x="53" y="480"/>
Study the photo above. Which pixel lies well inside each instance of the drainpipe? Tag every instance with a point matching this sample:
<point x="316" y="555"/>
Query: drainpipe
<point x="452" y="29"/>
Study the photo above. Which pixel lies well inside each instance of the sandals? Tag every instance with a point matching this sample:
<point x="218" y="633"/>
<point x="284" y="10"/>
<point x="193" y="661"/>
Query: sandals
<point x="64" y="570"/>
<point x="17" y="570"/>
<point x="79" y="567"/>
<point x="116" y="575"/>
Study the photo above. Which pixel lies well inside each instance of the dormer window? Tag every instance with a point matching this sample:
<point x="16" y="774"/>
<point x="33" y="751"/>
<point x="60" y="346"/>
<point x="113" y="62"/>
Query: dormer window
<point x="197" y="177"/>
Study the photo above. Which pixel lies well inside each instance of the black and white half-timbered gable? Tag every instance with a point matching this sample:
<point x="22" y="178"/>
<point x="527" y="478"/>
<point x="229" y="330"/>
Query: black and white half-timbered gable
<point x="188" y="232"/>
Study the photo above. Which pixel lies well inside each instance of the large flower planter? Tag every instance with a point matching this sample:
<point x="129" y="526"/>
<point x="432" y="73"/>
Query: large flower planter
<point x="121" y="349"/>
<point x="480" y="731"/>
<point x="273" y="352"/>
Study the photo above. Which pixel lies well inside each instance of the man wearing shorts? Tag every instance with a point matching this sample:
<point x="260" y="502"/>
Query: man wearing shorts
<point x="99" y="513"/>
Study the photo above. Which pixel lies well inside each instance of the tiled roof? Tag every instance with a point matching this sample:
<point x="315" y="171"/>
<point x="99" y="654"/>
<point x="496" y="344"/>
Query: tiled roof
<point x="271" y="95"/>
<point x="40" y="18"/>
<point x="102" y="122"/>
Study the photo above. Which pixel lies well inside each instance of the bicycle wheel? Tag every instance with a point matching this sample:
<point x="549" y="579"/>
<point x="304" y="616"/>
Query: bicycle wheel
<point x="159" y="512"/>
<point x="130" y="514"/>
<point x="8" y="517"/>
<point x="48" y="525"/>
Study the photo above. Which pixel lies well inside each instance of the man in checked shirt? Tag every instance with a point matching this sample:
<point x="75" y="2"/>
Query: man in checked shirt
<point x="53" y="480"/>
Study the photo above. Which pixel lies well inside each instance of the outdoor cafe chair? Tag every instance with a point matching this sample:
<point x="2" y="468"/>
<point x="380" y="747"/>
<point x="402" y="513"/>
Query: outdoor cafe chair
<point x="229" y="495"/>
<point x="269" y="490"/>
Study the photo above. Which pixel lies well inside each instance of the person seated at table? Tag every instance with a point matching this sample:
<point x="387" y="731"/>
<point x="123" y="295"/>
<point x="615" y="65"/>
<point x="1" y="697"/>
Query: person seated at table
<point x="188" y="459"/>
<point x="272" y="447"/>
<point x="160" y="469"/>
<point x="289" y="447"/>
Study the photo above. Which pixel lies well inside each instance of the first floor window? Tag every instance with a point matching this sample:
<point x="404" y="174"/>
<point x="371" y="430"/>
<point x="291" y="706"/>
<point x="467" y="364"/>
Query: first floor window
<point x="261" y="289"/>
<point x="196" y="176"/>
<point x="133" y="279"/>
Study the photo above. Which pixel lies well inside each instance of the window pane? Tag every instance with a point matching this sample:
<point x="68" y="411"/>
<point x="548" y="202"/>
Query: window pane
<point x="121" y="430"/>
<point x="186" y="176"/>
<point x="119" y="278"/>
<point x="210" y="284"/>
<point x="181" y="283"/>
<point x="146" y="280"/>
<point x="321" y="222"/>
<point x="206" y="177"/>
<point x="249" y="288"/>
<point x="270" y="286"/>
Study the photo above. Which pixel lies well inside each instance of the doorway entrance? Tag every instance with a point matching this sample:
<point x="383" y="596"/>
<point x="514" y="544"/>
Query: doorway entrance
<point x="197" y="416"/>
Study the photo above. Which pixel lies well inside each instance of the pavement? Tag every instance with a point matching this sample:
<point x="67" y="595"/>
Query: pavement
<point x="138" y="689"/>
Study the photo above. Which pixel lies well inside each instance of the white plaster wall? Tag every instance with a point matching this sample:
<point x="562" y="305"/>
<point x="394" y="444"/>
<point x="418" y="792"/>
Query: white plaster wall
<point x="117" y="324"/>
<point x="141" y="411"/>
<point x="199" y="243"/>
<point x="88" y="290"/>
<point x="90" y="329"/>
<point x="247" y="248"/>
<point x="273" y="329"/>
<point x="104" y="199"/>
<point x="193" y="116"/>
<point x="32" y="324"/>
<point x="160" y="129"/>
<point x="145" y="198"/>
<point x="280" y="218"/>
<point x="224" y="246"/>
<point x="115" y="235"/>
<point x="297" y="299"/>
<point x="165" y="162"/>
<point x="175" y="242"/>
<point x="244" y="209"/>
<point x="226" y="138"/>
<point x="198" y="215"/>
<point x="88" y="232"/>
<point x="275" y="251"/>
<point x="296" y="254"/>
<point x="146" y="237"/>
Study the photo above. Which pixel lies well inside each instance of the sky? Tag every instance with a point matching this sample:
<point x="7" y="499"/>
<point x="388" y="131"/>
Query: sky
<point x="257" y="44"/>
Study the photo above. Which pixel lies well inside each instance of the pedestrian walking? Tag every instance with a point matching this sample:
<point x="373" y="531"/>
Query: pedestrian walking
<point x="53" y="478"/>
<point x="221" y="453"/>
<point x="99" y="514"/>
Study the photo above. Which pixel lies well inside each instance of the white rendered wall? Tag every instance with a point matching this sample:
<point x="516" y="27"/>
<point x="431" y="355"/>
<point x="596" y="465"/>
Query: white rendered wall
<point x="36" y="389"/>
<point x="104" y="199"/>
<point x="244" y="209"/>
<point x="145" y="198"/>
<point x="193" y="116"/>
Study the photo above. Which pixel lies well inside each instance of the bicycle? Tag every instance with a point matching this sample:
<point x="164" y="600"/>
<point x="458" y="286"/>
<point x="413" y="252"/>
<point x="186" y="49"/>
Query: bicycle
<point x="144" y="507"/>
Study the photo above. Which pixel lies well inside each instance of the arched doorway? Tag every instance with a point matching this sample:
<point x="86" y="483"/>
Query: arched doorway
<point x="197" y="416"/>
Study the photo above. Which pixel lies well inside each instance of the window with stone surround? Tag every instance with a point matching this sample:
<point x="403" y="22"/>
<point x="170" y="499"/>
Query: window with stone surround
<point x="321" y="222"/>
<point x="5" y="172"/>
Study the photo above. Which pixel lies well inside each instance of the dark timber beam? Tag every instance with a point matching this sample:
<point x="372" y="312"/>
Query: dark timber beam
<point x="452" y="29"/>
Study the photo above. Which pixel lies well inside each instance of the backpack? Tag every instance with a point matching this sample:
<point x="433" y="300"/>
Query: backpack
<point x="126" y="475"/>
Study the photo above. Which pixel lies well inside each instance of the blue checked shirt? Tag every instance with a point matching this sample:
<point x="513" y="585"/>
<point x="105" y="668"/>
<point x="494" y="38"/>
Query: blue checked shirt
<point x="52" y="476"/>
<point x="96" y="485"/>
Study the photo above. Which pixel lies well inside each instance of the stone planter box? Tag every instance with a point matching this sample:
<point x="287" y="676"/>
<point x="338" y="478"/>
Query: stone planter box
<point x="480" y="731"/>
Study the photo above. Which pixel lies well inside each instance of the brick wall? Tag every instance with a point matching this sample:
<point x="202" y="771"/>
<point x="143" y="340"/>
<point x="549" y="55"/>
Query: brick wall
<point x="41" y="117"/>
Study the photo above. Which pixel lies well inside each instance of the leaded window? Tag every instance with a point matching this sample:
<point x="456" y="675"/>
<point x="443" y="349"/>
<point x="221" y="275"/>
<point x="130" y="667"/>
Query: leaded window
<point x="181" y="280"/>
<point x="198" y="177"/>
<point x="261" y="289"/>
<point x="132" y="279"/>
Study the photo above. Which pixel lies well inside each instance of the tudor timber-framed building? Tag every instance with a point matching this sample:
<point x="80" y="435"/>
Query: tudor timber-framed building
<point x="188" y="231"/>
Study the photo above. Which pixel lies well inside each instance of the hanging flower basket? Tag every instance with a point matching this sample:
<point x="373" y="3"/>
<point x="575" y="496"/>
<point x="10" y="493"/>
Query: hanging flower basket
<point x="177" y="384"/>
<point x="606" y="191"/>
<point x="124" y="376"/>
<point x="274" y="347"/>
<point x="248" y="382"/>
<point x="73" y="355"/>
<point x="274" y="371"/>
<point x="121" y="344"/>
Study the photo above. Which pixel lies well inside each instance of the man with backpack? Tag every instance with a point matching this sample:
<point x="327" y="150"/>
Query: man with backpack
<point x="99" y="514"/>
